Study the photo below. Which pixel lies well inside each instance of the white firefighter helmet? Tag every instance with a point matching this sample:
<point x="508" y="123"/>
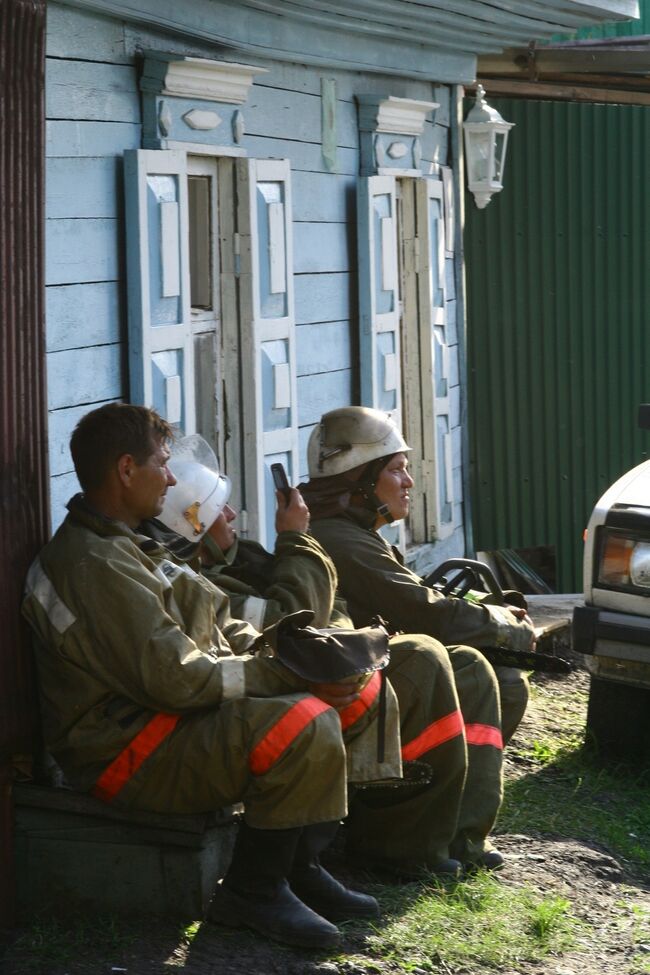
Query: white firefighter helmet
<point x="351" y="436"/>
<point x="200" y="492"/>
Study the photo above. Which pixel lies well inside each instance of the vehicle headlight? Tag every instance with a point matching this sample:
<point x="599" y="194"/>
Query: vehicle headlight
<point x="623" y="561"/>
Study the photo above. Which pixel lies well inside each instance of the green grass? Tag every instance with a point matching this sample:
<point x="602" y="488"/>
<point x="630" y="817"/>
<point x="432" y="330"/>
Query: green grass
<point x="483" y="924"/>
<point x="640" y="923"/>
<point x="190" y="931"/>
<point x="549" y="917"/>
<point x="568" y="794"/>
<point x="477" y="923"/>
<point x="49" y="942"/>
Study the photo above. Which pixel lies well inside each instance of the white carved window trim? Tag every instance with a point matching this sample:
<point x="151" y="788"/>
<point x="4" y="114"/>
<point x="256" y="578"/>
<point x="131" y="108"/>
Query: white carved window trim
<point x="245" y="325"/>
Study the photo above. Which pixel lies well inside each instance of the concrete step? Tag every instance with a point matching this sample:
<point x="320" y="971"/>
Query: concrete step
<point x="76" y="852"/>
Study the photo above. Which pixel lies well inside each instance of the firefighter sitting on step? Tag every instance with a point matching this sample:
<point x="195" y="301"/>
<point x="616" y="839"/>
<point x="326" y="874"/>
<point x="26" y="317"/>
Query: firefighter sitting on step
<point x="401" y="831"/>
<point x="152" y="698"/>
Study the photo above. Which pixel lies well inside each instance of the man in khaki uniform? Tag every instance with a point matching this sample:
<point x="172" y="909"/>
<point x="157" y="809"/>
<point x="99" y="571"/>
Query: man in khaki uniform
<point x="149" y="704"/>
<point x="405" y="831"/>
<point x="358" y="482"/>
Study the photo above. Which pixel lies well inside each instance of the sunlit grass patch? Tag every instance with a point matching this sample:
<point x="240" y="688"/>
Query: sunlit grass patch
<point x="190" y="931"/>
<point x="568" y="794"/>
<point x="546" y="751"/>
<point x="549" y="917"/>
<point x="479" y="922"/>
<point x="637" y="918"/>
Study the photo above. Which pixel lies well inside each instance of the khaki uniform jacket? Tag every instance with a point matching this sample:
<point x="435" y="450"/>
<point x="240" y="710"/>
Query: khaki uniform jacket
<point x="263" y="587"/>
<point x="466" y="791"/>
<point x="373" y="580"/>
<point x="123" y="633"/>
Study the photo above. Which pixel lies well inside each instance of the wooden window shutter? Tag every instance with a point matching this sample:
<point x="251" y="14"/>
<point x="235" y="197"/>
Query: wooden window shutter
<point x="379" y="297"/>
<point x="426" y="364"/>
<point x="267" y="346"/>
<point x="161" y="355"/>
<point x="379" y="305"/>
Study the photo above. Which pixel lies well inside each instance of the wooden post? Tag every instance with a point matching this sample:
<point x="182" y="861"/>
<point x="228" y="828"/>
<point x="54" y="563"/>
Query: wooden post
<point x="23" y="405"/>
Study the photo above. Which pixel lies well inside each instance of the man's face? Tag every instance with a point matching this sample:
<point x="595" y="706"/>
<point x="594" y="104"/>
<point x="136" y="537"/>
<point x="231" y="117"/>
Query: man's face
<point x="393" y="485"/>
<point x="222" y="531"/>
<point x="149" y="483"/>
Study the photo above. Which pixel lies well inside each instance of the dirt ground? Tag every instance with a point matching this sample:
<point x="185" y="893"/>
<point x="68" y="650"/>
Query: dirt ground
<point x="602" y="892"/>
<point x="601" y="889"/>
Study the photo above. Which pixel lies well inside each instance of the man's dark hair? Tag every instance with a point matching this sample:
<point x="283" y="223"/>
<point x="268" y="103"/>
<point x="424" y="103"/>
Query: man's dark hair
<point x="102" y="436"/>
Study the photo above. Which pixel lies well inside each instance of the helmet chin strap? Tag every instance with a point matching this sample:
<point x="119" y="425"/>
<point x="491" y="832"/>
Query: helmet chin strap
<point x="366" y="486"/>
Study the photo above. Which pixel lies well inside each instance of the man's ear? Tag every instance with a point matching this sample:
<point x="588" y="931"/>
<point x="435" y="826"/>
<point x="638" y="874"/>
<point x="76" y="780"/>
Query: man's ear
<point x="125" y="468"/>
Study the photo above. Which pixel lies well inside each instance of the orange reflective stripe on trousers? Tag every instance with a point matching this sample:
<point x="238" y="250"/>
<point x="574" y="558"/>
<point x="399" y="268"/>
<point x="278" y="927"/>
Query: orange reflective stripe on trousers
<point x="283" y="733"/>
<point x="435" y="734"/>
<point x="484" y="734"/>
<point x="127" y="763"/>
<point x="358" y="708"/>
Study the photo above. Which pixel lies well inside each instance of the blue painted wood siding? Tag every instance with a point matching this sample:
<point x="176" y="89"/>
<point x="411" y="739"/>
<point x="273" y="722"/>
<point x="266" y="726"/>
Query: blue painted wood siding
<point x="93" y="116"/>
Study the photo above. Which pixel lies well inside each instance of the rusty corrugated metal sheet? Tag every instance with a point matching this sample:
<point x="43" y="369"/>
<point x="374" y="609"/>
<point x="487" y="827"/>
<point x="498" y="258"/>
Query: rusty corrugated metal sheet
<point x="558" y="324"/>
<point x="23" y="456"/>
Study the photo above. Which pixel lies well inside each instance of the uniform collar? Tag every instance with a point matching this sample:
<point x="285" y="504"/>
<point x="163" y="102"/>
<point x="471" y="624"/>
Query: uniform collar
<point x="360" y="516"/>
<point x="217" y="556"/>
<point x="80" y="511"/>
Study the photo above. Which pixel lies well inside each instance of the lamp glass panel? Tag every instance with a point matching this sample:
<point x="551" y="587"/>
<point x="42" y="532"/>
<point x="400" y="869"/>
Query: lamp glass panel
<point x="479" y="156"/>
<point x="499" y="154"/>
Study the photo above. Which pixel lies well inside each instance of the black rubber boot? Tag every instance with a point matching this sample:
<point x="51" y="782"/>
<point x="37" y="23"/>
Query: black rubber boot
<point x="399" y="870"/>
<point x="487" y="860"/>
<point x="317" y="888"/>
<point x="255" y="893"/>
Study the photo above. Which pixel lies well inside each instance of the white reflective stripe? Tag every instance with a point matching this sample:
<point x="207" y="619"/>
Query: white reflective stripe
<point x="40" y="586"/>
<point x="162" y="578"/>
<point x="500" y="617"/>
<point x="232" y="678"/>
<point x="253" y="611"/>
<point x="167" y="571"/>
<point x="172" y="570"/>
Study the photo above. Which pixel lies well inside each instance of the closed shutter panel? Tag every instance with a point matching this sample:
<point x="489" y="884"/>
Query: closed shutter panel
<point x="268" y="354"/>
<point x="161" y="358"/>
<point x="430" y="420"/>
<point x="379" y="305"/>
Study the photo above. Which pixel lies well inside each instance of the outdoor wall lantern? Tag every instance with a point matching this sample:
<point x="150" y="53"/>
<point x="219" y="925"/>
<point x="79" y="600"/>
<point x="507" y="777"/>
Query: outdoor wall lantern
<point x="486" y="138"/>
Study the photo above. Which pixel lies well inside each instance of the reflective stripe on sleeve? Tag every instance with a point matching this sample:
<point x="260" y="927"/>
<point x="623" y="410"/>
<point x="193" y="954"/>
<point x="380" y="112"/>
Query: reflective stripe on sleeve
<point x="172" y="569"/>
<point x="484" y="734"/>
<point x="437" y="733"/>
<point x="253" y="611"/>
<point x="358" y="708"/>
<point x="500" y="618"/>
<point x="39" y="585"/>
<point x="283" y="733"/>
<point x="127" y="763"/>
<point x="162" y="578"/>
<point x="233" y="681"/>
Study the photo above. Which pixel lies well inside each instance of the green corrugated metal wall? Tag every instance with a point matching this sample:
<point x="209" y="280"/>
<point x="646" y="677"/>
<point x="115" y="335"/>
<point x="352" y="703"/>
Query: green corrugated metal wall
<point x="558" y="324"/>
<point x="625" y="28"/>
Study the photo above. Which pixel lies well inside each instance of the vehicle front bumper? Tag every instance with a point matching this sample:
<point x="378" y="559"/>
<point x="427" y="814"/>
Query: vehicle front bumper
<point x="616" y="645"/>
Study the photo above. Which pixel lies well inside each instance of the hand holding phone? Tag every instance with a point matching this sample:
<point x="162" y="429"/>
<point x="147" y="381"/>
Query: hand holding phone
<point x="281" y="481"/>
<point x="293" y="515"/>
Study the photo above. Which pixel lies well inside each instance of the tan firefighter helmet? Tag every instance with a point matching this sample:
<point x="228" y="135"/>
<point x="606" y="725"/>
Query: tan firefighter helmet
<point x="351" y="436"/>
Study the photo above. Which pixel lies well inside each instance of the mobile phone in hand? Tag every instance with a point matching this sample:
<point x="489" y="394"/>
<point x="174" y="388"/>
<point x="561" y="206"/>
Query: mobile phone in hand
<point x="280" y="480"/>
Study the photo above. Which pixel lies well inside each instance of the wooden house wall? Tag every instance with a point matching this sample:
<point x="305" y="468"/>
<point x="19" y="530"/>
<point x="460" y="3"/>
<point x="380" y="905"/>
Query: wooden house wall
<point x="93" y="116"/>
